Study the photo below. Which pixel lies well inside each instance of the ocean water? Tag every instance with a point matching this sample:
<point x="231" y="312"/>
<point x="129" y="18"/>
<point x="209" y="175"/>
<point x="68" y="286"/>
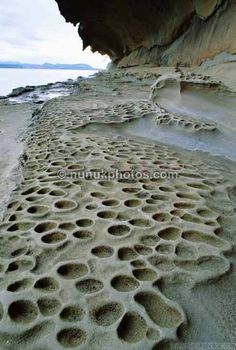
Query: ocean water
<point x="13" y="78"/>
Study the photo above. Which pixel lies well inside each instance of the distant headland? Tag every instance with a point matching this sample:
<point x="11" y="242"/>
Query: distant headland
<point x="20" y="65"/>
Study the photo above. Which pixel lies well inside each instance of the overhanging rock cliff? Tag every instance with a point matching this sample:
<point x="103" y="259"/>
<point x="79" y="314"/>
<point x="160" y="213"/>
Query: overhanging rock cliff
<point x="159" y="32"/>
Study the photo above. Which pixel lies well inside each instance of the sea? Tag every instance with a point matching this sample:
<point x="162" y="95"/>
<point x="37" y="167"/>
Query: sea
<point x="13" y="78"/>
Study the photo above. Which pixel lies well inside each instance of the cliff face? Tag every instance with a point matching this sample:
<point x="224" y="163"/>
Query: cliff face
<point x="162" y="32"/>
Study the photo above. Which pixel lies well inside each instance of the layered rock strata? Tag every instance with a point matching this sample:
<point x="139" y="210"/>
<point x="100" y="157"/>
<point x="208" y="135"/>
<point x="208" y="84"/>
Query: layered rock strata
<point x="155" y="32"/>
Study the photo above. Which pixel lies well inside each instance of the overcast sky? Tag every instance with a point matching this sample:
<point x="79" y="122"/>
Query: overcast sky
<point x="33" y="31"/>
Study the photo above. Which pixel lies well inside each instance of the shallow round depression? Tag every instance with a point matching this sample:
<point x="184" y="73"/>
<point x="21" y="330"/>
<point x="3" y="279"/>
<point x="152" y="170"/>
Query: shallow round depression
<point x="54" y="237"/>
<point x="65" y="205"/>
<point x="37" y="210"/>
<point x="83" y="235"/>
<point x="118" y="230"/>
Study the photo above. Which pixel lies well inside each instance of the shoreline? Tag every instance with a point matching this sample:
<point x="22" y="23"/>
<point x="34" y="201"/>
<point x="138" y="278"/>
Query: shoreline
<point x="32" y="78"/>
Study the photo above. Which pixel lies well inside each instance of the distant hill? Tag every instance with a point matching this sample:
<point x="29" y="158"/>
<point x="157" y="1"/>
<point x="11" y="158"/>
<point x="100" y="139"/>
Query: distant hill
<point x="19" y="65"/>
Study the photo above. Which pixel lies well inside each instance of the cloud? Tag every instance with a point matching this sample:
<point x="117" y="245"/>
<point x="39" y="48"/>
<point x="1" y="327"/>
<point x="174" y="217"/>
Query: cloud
<point x="34" y="31"/>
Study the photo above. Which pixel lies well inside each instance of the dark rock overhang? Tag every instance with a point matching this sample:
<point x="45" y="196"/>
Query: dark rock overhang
<point x="119" y="28"/>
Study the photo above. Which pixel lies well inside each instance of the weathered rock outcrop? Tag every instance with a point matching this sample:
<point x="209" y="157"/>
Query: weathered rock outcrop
<point x="162" y="32"/>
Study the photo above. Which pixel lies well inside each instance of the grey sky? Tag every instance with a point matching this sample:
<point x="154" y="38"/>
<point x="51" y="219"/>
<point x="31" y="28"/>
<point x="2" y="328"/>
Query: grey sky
<point x="34" y="31"/>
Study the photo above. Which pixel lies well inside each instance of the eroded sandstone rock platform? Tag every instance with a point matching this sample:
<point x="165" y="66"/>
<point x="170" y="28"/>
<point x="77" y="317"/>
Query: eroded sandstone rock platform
<point x="137" y="263"/>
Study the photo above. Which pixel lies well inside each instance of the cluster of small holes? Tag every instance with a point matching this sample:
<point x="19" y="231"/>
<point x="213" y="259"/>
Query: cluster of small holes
<point x="70" y="239"/>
